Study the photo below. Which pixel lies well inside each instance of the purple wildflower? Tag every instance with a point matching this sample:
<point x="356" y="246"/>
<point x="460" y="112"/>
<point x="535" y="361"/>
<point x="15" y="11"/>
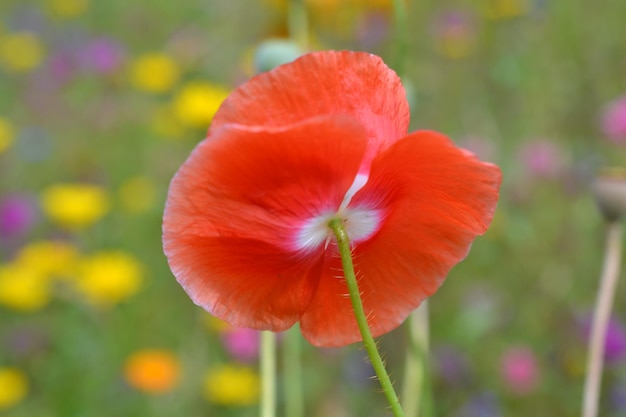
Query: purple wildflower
<point x="242" y="343"/>
<point x="614" y="121"/>
<point x="102" y="56"/>
<point x="17" y="215"/>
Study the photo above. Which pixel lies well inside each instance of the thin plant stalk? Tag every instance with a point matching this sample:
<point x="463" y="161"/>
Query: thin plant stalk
<point x="415" y="390"/>
<point x="401" y="35"/>
<point x="602" y="313"/>
<point x="297" y="23"/>
<point x="294" y="401"/>
<point x="343" y="244"/>
<point x="297" y="26"/>
<point x="268" y="374"/>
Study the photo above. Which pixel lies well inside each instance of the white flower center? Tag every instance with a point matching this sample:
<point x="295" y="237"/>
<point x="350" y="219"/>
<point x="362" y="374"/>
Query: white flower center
<point x="360" y="224"/>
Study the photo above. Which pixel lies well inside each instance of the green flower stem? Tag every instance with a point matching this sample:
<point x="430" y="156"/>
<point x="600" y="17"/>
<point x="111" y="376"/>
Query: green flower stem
<point x="268" y="374"/>
<point x="601" y="316"/>
<point x="294" y="403"/>
<point x="402" y="35"/>
<point x="416" y="388"/>
<point x="343" y="243"/>
<point x="297" y="24"/>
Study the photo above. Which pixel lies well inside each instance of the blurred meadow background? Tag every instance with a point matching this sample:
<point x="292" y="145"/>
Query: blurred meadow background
<point x="101" y="101"/>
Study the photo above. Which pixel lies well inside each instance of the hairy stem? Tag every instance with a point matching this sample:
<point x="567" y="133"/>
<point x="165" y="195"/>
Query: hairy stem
<point x="343" y="243"/>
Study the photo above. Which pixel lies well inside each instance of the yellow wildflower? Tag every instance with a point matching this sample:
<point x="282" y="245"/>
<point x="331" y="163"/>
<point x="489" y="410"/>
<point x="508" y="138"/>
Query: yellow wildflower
<point x="232" y="385"/>
<point x="6" y="135"/>
<point x="75" y="205"/>
<point x="154" y="73"/>
<point x="321" y="6"/>
<point x="138" y="194"/>
<point x="107" y="278"/>
<point x="13" y="387"/>
<point x="153" y="371"/>
<point x="68" y="8"/>
<point x="380" y="4"/>
<point x="196" y="103"/>
<point x="20" y="51"/>
<point x="48" y="258"/>
<point x="22" y="288"/>
<point x="329" y="5"/>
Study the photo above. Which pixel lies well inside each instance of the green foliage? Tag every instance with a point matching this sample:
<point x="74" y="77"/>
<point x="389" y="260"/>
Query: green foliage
<point x="500" y="82"/>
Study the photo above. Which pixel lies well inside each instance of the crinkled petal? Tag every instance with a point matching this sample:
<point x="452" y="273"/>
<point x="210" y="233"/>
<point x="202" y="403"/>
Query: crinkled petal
<point x="436" y="199"/>
<point x="358" y="84"/>
<point x="234" y="209"/>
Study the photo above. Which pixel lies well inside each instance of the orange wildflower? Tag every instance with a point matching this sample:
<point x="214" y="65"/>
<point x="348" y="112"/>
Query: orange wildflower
<point x="152" y="371"/>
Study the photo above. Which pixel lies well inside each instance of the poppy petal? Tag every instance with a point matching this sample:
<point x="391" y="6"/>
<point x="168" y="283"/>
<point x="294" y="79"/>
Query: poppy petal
<point x="235" y="207"/>
<point x="435" y="199"/>
<point x="358" y="84"/>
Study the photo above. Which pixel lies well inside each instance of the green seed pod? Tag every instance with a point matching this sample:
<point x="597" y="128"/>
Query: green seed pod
<point x="274" y="52"/>
<point x="609" y="189"/>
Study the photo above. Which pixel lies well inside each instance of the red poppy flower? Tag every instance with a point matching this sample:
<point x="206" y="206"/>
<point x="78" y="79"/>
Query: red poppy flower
<point x="245" y="226"/>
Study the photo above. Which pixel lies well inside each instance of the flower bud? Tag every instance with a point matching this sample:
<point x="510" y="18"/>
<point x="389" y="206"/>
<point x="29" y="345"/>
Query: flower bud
<point x="609" y="189"/>
<point x="275" y="52"/>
